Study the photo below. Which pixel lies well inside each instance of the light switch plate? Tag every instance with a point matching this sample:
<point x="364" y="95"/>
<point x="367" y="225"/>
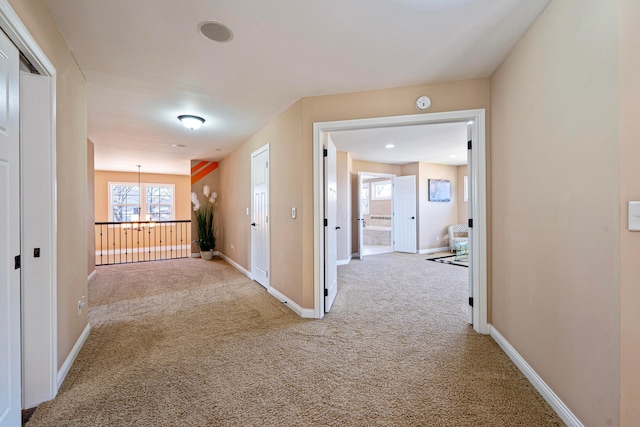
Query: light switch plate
<point x="293" y="213"/>
<point x="634" y="216"/>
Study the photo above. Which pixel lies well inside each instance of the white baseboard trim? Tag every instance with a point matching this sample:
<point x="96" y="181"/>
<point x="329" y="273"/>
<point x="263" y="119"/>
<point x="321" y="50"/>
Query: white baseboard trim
<point x="552" y="399"/>
<point x="64" y="370"/>
<point x="433" y="250"/>
<point x="355" y="255"/>
<point x="91" y="276"/>
<point x="306" y="313"/>
<point x="237" y="266"/>
<point x="344" y="261"/>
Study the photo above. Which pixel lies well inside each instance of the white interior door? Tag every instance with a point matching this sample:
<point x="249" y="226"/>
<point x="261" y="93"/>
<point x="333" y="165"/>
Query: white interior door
<point x="331" y="235"/>
<point x="360" y="218"/>
<point x="38" y="339"/>
<point x="10" y="408"/>
<point x="404" y="214"/>
<point x="260" y="216"/>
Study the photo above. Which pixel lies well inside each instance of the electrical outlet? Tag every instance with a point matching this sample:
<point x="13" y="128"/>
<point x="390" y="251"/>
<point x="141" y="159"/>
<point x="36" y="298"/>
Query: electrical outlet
<point x="293" y="213"/>
<point x="438" y="238"/>
<point x="233" y="247"/>
<point x="247" y="211"/>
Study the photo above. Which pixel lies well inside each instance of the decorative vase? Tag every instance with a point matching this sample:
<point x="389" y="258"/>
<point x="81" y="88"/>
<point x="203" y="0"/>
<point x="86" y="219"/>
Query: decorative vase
<point x="206" y="254"/>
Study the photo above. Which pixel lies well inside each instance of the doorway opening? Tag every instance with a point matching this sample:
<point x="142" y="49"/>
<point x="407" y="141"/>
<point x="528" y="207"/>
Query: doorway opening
<point x="477" y="198"/>
<point x="375" y="225"/>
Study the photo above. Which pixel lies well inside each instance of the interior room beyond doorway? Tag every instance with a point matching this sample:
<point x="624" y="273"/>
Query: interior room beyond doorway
<point x="376" y="214"/>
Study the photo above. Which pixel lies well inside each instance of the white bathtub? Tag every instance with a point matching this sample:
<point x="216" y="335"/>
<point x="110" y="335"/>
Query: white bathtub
<point x="377" y="227"/>
<point x="376" y="235"/>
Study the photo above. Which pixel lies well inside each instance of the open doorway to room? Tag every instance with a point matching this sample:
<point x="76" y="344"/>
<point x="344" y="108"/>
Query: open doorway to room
<point x="433" y="236"/>
<point x="374" y="220"/>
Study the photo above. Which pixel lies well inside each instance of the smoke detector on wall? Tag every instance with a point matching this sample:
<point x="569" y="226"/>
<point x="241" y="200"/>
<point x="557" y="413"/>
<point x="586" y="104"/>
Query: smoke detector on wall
<point x="423" y="103"/>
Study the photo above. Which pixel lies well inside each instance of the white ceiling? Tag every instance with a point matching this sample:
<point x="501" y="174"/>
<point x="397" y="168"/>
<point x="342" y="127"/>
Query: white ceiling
<point x="444" y="143"/>
<point x="146" y="63"/>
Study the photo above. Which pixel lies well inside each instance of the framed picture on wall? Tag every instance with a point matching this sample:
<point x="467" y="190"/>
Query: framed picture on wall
<point x="439" y="190"/>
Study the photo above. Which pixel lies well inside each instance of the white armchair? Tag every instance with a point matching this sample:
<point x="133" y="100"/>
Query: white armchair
<point x="458" y="233"/>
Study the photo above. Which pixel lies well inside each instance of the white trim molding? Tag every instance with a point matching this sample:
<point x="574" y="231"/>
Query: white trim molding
<point x="478" y="195"/>
<point x="344" y="261"/>
<point x="64" y="370"/>
<point x="237" y="266"/>
<point x="433" y="250"/>
<point x="306" y="313"/>
<point x="547" y="393"/>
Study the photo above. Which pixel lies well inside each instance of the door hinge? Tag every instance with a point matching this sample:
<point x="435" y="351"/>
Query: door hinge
<point x="469" y="145"/>
<point x="266" y="274"/>
<point x="471" y="301"/>
<point x="17" y="262"/>
<point x="326" y="292"/>
<point x="326" y="222"/>
<point x="266" y="165"/>
<point x="325" y="153"/>
<point x="470" y="222"/>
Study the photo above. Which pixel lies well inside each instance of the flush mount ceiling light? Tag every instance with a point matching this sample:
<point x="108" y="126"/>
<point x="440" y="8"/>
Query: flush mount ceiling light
<point x="216" y="31"/>
<point x="178" y="145"/>
<point x="191" y="122"/>
<point x="389" y="146"/>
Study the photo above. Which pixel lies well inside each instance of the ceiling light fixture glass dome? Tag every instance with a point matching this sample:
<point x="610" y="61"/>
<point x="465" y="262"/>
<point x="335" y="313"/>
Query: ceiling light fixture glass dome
<point x="191" y="122"/>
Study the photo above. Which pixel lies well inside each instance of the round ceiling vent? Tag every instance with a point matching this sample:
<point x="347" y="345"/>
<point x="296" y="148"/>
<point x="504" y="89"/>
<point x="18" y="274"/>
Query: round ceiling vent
<point x="216" y="31"/>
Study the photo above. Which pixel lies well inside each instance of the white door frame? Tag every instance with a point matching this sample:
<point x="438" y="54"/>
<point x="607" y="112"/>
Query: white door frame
<point x="478" y="192"/>
<point x="20" y="36"/>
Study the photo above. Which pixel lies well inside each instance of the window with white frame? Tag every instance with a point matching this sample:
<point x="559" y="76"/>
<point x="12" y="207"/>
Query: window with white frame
<point x="126" y="205"/>
<point x="381" y="190"/>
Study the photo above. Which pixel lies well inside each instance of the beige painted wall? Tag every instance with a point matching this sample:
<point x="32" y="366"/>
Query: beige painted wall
<point x="91" y="218"/>
<point x="291" y="138"/>
<point x="434" y="218"/>
<point x="285" y="168"/>
<point x="71" y="171"/>
<point x="292" y="172"/>
<point x="629" y="190"/>
<point x="463" y="207"/>
<point x="182" y="186"/>
<point x="213" y="181"/>
<point x="555" y="216"/>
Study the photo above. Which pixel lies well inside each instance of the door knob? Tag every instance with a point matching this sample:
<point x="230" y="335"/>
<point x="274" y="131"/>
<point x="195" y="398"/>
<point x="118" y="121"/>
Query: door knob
<point x="337" y="228"/>
<point x="253" y="224"/>
<point x="413" y="217"/>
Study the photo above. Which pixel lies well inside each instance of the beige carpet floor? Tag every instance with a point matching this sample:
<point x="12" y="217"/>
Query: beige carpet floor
<point x="194" y="343"/>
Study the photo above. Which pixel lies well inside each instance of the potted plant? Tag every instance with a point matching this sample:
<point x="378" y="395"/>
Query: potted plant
<point x="205" y="216"/>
